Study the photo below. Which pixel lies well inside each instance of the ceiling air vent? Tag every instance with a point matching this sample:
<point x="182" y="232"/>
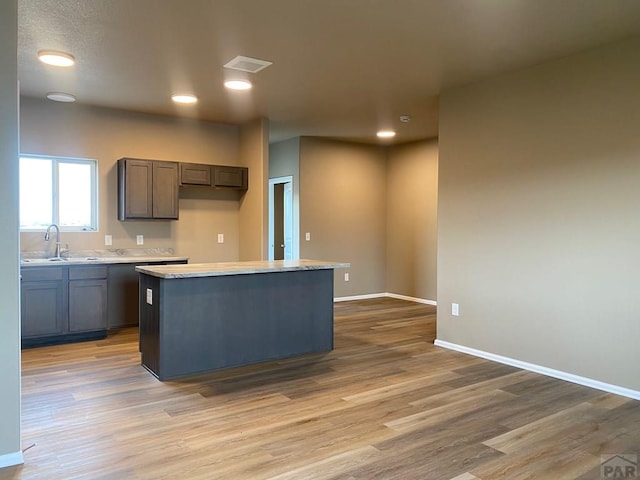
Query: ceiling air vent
<point x="247" y="64"/>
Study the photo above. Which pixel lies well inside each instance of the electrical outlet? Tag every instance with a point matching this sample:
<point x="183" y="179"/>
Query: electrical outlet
<point x="221" y="238"/>
<point x="307" y="236"/>
<point x="140" y="239"/>
<point x="149" y="296"/>
<point x="346" y="277"/>
<point x="108" y="240"/>
<point x="455" y="309"/>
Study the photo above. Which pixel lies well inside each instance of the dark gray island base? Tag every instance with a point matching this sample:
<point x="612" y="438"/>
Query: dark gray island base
<point x="202" y="317"/>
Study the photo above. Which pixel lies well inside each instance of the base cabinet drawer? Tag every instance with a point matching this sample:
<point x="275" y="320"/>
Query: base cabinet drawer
<point x="92" y="272"/>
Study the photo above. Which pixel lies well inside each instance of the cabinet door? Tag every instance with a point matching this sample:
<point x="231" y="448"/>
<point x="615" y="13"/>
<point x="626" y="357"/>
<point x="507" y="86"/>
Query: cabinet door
<point x="165" y="190"/>
<point x="42" y="308"/>
<point x="87" y="305"/>
<point x="122" y="309"/>
<point x="195" y="174"/>
<point x="135" y="194"/>
<point x="235" y="177"/>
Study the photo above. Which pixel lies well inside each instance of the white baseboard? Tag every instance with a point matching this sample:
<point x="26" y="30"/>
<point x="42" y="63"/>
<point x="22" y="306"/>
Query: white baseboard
<point x="11" y="459"/>
<point x="359" y="297"/>
<point x="383" y="295"/>
<point x="550" y="372"/>
<point x="412" y="299"/>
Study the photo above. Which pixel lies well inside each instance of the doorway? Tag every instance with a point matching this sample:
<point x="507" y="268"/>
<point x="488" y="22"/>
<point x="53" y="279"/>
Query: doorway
<point x="283" y="244"/>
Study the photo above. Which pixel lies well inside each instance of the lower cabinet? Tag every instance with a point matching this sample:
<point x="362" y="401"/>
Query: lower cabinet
<point x="69" y="303"/>
<point x="63" y="304"/>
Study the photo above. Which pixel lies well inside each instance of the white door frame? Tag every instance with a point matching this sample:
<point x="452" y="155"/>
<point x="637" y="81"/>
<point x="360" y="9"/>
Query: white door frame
<point x="295" y="247"/>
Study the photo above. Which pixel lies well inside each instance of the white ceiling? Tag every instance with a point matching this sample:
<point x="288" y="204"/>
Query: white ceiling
<point x="341" y="68"/>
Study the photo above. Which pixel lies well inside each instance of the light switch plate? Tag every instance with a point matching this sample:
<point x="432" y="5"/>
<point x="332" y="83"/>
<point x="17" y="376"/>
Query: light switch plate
<point x="221" y="238"/>
<point x="108" y="240"/>
<point x="149" y="296"/>
<point x="140" y="239"/>
<point x="307" y="236"/>
<point x="455" y="309"/>
<point x="346" y="277"/>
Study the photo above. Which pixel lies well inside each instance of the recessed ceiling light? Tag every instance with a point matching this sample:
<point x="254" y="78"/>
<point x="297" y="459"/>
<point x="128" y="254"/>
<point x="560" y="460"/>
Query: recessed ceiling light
<point x="238" y="84"/>
<point x="61" y="97"/>
<point x="186" y="99"/>
<point x="57" y="59"/>
<point x="386" y="134"/>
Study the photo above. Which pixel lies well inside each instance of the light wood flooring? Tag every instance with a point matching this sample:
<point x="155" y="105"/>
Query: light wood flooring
<point x="385" y="404"/>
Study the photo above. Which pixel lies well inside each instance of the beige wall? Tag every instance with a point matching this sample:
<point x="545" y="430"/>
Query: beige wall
<point x="372" y="206"/>
<point x="50" y="128"/>
<point x="539" y="224"/>
<point x="10" y="452"/>
<point x="284" y="159"/>
<point x="254" y="153"/>
<point x="412" y="198"/>
<point x="343" y="207"/>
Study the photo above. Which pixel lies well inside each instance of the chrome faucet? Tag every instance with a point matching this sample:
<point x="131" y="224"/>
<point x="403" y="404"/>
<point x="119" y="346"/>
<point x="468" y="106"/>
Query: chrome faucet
<point x="47" y="236"/>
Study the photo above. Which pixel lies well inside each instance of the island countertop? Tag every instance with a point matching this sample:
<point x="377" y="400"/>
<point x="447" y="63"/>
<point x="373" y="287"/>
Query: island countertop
<point x="193" y="270"/>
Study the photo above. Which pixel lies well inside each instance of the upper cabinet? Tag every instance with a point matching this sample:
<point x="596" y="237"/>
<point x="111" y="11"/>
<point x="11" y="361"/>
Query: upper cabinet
<point x="195" y="174"/>
<point x="218" y="176"/>
<point x="233" y="177"/>
<point x="147" y="189"/>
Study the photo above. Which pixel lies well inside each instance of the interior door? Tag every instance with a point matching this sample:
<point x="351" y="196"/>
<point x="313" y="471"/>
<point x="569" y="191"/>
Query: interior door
<point x="279" y="245"/>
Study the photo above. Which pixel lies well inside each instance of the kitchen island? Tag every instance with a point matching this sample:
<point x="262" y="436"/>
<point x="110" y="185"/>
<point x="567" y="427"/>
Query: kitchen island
<point x="200" y="317"/>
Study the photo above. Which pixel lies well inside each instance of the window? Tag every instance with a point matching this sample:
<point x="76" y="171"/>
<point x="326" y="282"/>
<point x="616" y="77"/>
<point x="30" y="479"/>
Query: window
<point x="58" y="190"/>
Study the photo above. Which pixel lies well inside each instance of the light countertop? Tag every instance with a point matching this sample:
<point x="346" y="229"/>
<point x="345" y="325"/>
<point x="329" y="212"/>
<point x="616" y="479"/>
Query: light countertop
<point x="236" y="268"/>
<point x="40" y="262"/>
<point x="98" y="257"/>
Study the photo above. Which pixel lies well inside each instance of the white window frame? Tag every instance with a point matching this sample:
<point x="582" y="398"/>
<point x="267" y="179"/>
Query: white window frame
<point x="93" y="227"/>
